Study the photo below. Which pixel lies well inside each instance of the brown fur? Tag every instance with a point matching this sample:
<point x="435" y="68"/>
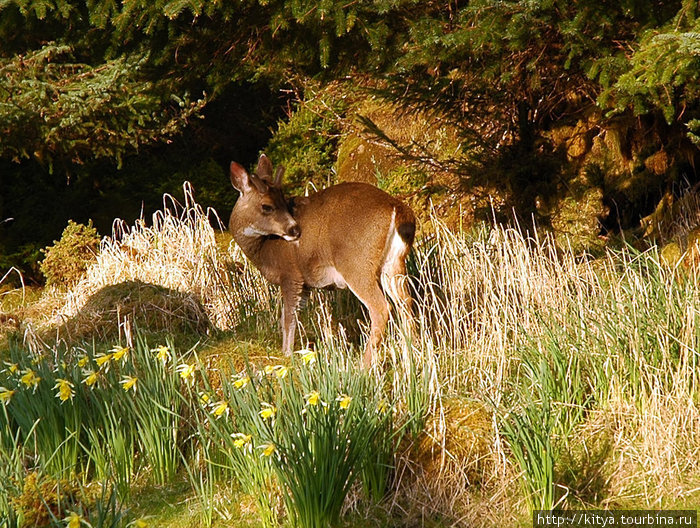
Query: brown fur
<point x="349" y="235"/>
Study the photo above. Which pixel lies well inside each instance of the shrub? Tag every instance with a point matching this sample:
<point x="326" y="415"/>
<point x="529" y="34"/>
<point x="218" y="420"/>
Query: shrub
<point x="306" y="143"/>
<point x="68" y="259"/>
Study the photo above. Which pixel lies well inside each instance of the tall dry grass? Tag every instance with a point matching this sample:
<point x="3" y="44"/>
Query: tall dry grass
<point x="179" y="250"/>
<point x="607" y="349"/>
<point x="595" y="359"/>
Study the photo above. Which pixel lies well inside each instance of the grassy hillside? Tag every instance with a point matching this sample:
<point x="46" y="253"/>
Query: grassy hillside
<point x="537" y="378"/>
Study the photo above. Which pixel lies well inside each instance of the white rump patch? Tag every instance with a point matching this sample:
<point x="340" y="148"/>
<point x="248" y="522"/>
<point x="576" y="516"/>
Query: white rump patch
<point x="397" y="249"/>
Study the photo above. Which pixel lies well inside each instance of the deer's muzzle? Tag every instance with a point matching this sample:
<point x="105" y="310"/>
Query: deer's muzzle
<point x="293" y="232"/>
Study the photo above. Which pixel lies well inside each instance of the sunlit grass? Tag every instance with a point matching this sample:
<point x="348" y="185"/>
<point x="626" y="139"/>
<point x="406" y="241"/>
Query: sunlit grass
<point x="581" y="378"/>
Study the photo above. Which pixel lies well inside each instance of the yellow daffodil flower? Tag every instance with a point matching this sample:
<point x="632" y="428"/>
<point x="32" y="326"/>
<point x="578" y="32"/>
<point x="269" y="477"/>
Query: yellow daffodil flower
<point x="91" y="379"/>
<point x="242" y="440"/>
<point x="204" y="398"/>
<point x="30" y="379"/>
<point x="65" y="389"/>
<point x="12" y="367"/>
<point x="73" y="520"/>
<point x="186" y="371"/>
<point x="307" y="356"/>
<point x="344" y="401"/>
<point x="162" y="353"/>
<point x="6" y="395"/>
<point x="220" y="408"/>
<point x="281" y="371"/>
<point x="268" y="449"/>
<point x="83" y="361"/>
<point x="140" y="523"/>
<point x="313" y="398"/>
<point x="102" y="359"/>
<point x="268" y="411"/>
<point x="129" y="383"/>
<point x="241" y="382"/>
<point x="119" y="353"/>
<point x="269" y="369"/>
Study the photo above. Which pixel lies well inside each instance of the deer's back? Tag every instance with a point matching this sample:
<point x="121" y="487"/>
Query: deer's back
<point x="348" y="227"/>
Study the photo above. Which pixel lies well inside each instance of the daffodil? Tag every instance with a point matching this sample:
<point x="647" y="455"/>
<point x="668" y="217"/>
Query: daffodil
<point x="91" y="379"/>
<point x="268" y="449"/>
<point x="6" y="395"/>
<point x="65" y="389"/>
<point x="313" y="398"/>
<point x="119" y="353"/>
<point x="344" y="401"/>
<point x="186" y="371"/>
<point x="30" y="379"/>
<point x="278" y="370"/>
<point x="129" y="383"/>
<point x="307" y="356"/>
<point x="38" y="359"/>
<point x="103" y="359"/>
<point x="83" y="361"/>
<point x="162" y="353"/>
<point x="12" y="367"/>
<point x="220" y="408"/>
<point x="242" y="441"/>
<point x="268" y="411"/>
<point x="140" y="523"/>
<point x="241" y="382"/>
<point x="73" y="520"/>
<point x="204" y="398"/>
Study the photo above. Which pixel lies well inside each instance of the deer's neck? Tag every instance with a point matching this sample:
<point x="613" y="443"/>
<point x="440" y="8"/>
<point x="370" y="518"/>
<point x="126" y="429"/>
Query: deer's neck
<point x="269" y="255"/>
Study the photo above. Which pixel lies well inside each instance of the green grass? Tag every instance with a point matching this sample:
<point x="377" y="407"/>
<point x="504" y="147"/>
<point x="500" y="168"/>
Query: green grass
<point x="585" y="373"/>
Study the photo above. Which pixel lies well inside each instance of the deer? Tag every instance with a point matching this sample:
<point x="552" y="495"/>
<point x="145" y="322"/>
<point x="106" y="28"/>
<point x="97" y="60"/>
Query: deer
<point x="350" y="235"/>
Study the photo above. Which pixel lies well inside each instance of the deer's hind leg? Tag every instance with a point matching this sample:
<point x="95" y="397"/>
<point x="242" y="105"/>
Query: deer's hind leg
<point x="370" y="294"/>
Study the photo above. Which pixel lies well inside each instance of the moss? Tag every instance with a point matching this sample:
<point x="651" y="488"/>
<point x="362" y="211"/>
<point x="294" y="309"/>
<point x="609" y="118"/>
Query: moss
<point x="576" y="220"/>
<point x="43" y="498"/>
<point x="466" y="436"/>
<point x="155" y="309"/>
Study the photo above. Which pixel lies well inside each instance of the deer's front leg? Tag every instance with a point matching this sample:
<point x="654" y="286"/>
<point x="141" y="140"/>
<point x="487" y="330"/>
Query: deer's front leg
<point x="291" y="295"/>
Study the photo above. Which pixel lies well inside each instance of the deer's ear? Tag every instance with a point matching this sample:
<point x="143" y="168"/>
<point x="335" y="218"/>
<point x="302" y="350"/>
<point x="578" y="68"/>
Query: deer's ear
<point x="264" y="170"/>
<point x="239" y="178"/>
<point x="278" y="175"/>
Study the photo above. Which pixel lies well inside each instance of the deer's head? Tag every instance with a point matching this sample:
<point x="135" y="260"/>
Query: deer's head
<point x="262" y="210"/>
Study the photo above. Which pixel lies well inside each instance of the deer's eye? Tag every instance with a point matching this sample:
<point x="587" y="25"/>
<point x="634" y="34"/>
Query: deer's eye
<point x="267" y="209"/>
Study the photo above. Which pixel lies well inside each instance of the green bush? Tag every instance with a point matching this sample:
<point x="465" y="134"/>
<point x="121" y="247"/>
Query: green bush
<point x="68" y="259"/>
<point x="306" y="143"/>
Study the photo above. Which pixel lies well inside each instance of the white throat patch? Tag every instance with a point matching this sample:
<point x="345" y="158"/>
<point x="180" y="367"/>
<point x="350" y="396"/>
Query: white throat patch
<point x="250" y="231"/>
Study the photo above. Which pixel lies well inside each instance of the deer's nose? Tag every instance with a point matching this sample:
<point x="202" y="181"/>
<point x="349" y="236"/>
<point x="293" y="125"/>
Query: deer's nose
<point x="294" y="232"/>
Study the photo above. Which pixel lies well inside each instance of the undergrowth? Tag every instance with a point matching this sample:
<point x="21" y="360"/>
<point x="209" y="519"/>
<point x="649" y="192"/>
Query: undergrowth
<point x="573" y="380"/>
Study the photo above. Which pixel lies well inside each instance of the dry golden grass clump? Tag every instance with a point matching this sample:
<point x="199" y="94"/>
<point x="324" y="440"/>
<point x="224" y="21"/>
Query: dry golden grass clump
<point x="171" y="270"/>
<point x="141" y="305"/>
<point x="456" y="443"/>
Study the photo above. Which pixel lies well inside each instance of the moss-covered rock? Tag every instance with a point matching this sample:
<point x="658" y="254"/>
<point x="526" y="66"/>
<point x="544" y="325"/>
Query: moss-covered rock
<point x="151" y="308"/>
<point x="458" y="440"/>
